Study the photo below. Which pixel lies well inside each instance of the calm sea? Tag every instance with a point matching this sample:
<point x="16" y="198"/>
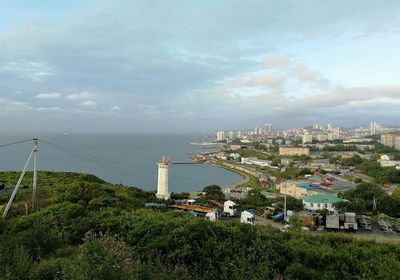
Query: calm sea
<point x="126" y="159"/>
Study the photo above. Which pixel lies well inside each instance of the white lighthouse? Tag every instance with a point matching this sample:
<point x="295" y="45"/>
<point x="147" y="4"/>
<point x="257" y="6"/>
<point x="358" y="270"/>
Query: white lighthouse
<point x="162" y="186"/>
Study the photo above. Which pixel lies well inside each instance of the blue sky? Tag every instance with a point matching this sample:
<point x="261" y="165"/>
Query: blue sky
<point x="182" y="66"/>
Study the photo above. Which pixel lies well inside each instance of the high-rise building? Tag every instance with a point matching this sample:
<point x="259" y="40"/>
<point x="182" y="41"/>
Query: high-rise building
<point x="268" y="128"/>
<point x="391" y="139"/>
<point x="322" y="137"/>
<point x="316" y="126"/>
<point x="373" y="128"/>
<point x="220" y="135"/>
<point x="397" y="143"/>
<point x="230" y="134"/>
<point x="336" y="133"/>
<point x="307" y="138"/>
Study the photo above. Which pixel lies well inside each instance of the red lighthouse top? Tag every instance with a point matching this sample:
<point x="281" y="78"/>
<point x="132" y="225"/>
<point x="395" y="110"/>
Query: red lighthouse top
<point x="164" y="160"/>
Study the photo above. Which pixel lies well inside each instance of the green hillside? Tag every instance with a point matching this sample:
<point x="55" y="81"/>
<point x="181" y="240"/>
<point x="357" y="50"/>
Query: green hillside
<point x="86" y="228"/>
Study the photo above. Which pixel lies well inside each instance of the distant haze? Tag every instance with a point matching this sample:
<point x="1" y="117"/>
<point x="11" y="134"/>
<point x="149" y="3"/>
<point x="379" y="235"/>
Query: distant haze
<point x="182" y="66"/>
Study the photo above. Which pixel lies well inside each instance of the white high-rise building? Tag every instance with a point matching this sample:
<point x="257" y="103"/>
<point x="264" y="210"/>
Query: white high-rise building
<point x="307" y="138"/>
<point x="162" y="186"/>
<point x="322" y="137"/>
<point x="230" y="134"/>
<point x="268" y="128"/>
<point x="335" y="133"/>
<point x="220" y="135"/>
<point x="373" y="128"/>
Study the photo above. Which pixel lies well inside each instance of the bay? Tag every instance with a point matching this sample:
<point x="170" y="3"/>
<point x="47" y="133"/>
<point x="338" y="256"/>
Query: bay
<point x="122" y="159"/>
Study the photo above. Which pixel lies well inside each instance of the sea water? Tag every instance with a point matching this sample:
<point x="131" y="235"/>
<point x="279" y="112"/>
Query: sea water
<point x="126" y="159"/>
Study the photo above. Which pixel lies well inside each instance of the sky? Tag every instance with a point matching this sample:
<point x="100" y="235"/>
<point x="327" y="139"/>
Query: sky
<point x="163" y="66"/>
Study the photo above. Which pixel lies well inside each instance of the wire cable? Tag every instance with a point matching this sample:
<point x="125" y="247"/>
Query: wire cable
<point x="92" y="159"/>
<point x="15" y="143"/>
<point x="106" y="163"/>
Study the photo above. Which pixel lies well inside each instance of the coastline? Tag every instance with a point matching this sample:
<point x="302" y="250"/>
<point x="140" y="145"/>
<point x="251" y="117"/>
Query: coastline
<point x="245" y="174"/>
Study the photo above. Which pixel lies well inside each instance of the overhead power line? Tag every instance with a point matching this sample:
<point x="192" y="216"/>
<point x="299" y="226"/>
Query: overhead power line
<point x="15" y="143"/>
<point x="106" y="163"/>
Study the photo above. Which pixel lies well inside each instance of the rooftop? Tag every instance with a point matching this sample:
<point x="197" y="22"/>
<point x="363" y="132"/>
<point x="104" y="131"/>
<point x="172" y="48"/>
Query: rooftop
<point x="306" y="187"/>
<point x="322" y="198"/>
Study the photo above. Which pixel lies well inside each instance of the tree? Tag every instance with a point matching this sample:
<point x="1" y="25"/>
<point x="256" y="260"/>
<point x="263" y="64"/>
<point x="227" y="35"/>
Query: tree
<point x="396" y="194"/>
<point x="353" y="161"/>
<point x="214" y="192"/>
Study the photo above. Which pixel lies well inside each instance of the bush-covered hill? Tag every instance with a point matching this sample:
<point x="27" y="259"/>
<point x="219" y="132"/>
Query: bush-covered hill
<point x="88" y="229"/>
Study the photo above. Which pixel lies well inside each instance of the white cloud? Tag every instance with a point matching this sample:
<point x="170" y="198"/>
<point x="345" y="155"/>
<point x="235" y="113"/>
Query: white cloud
<point x="146" y="106"/>
<point x="149" y="109"/>
<point x="50" y="95"/>
<point x="264" y="80"/>
<point x="7" y="105"/>
<point x="36" y="71"/>
<point x="49" y="109"/>
<point x="90" y="104"/>
<point x="277" y="60"/>
<point x="80" y="96"/>
<point x="115" y="108"/>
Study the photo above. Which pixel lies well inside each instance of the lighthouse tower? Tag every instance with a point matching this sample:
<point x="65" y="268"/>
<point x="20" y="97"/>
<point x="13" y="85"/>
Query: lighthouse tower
<point x="162" y="186"/>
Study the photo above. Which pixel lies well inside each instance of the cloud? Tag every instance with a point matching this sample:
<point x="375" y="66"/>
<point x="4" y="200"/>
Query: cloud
<point x="115" y="108"/>
<point x="50" y="109"/>
<point x="277" y="60"/>
<point x="36" y="71"/>
<point x="50" y="95"/>
<point x="90" y="104"/>
<point x="7" y="105"/>
<point x="150" y="110"/>
<point x="231" y="62"/>
<point x="345" y="96"/>
<point x="146" y="106"/>
<point x="80" y="96"/>
<point x="264" y="80"/>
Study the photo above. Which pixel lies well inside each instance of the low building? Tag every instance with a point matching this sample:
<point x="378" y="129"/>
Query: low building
<point x="321" y="164"/>
<point x="286" y="161"/>
<point x="390" y="163"/>
<point x="295" y="190"/>
<point x="256" y="161"/>
<point x="235" y="147"/>
<point x="320" y="202"/>
<point x="234" y="155"/>
<point x="387" y="157"/>
<point x="294" y="151"/>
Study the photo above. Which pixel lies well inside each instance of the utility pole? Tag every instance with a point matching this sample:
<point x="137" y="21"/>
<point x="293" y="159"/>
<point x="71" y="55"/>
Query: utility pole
<point x="21" y="177"/>
<point x="34" y="184"/>
<point x="284" y="205"/>
<point x="374" y="204"/>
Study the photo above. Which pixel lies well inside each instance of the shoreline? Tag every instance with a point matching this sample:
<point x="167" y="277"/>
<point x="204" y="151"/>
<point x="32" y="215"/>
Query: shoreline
<point x="245" y="178"/>
<point x="244" y="174"/>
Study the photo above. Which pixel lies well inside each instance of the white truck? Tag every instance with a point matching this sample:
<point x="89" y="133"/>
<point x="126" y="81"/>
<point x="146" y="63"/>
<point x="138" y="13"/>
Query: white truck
<point x="230" y="208"/>
<point x="332" y="221"/>
<point x="350" y="221"/>
<point x="247" y="217"/>
<point x="212" y="216"/>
